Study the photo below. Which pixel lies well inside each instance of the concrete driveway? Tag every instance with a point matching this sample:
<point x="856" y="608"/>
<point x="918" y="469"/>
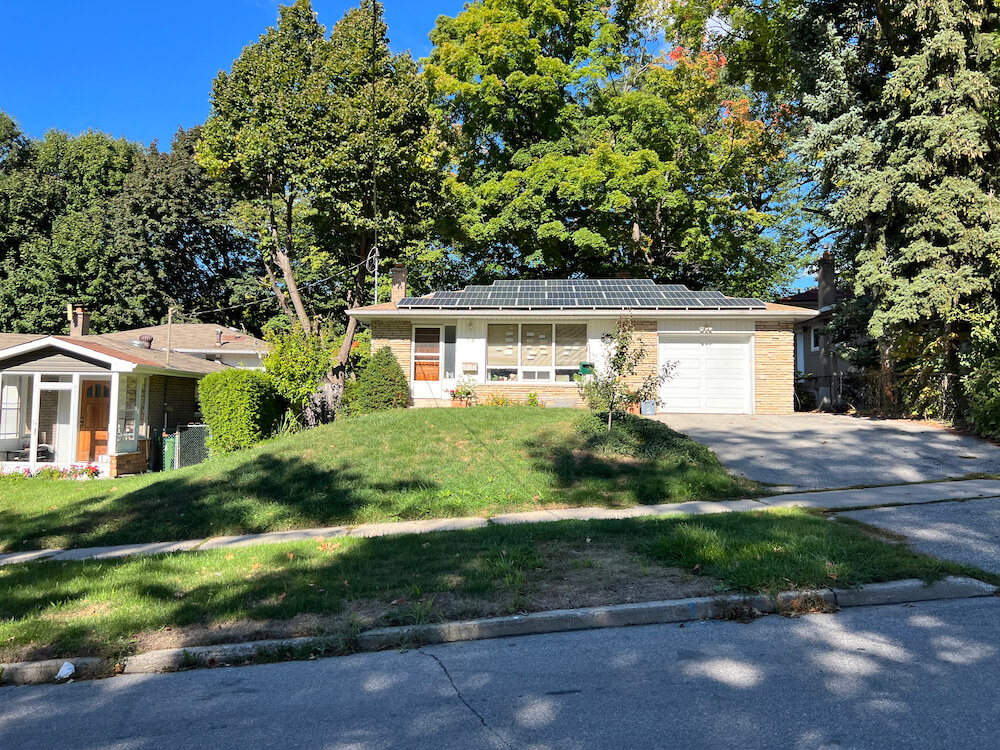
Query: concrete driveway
<point x="822" y="451"/>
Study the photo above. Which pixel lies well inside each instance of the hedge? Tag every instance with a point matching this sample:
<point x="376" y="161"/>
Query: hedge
<point x="241" y="408"/>
<point x="382" y="384"/>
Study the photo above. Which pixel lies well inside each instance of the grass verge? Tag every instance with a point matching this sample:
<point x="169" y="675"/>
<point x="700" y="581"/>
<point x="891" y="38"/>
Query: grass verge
<point x="333" y="587"/>
<point x="400" y="465"/>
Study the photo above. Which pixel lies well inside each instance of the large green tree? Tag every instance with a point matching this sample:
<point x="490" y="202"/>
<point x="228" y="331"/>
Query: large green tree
<point x="331" y="143"/>
<point x="122" y="230"/>
<point x="897" y="108"/>
<point x="586" y="145"/>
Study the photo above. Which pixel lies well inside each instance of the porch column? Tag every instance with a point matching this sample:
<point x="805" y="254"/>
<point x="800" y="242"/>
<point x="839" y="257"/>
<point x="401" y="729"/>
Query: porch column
<point x="36" y="381"/>
<point x="74" y="419"/>
<point x="113" y="415"/>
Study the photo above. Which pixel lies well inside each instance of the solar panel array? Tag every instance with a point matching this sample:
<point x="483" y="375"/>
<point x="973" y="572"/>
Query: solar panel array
<point x="579" y="293"/>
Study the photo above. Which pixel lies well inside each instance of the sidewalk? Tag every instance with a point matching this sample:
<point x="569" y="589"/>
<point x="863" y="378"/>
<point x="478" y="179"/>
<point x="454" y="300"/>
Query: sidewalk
<point x="908" y="494"/>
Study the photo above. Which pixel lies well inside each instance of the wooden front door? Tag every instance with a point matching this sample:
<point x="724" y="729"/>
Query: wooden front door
<point x="95" y="410"/>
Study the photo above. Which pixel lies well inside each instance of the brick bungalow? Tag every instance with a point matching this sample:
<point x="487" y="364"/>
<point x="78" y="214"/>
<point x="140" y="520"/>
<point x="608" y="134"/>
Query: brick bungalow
<point x="731" y="355"/>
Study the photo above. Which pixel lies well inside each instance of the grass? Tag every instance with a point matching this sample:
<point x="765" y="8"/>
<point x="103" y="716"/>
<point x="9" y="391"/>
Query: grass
<point x="400" y="465"/>
<point x="331" y="587"/>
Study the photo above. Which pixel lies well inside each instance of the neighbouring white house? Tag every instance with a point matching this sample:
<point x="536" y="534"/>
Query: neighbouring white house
<point x="98" y="400"/>
<point x="731" y="355"/>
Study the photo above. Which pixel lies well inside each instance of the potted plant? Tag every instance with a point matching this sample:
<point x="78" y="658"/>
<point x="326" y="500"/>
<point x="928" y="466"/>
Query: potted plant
<point x="464" y="392"/>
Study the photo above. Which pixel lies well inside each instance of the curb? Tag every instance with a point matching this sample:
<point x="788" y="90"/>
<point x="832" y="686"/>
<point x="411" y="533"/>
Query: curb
<point x="733" y="607"/>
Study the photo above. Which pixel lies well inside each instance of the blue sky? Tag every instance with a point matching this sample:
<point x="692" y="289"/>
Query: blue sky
<point x="142" y="69"/>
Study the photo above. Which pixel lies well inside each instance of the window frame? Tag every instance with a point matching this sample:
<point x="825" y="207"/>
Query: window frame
<point x="521" y="368"/>
<point x="815" y="344"/>
<point x="18" y="419"/>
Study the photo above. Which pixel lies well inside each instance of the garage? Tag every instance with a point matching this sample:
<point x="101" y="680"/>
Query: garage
<point x="712" y="373"/>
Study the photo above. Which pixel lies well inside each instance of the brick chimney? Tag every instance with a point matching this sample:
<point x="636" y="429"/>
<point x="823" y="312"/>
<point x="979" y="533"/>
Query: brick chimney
<point x="79" y="321"/>
<point x="398" y="282"/>
<point x="826" y="278"/>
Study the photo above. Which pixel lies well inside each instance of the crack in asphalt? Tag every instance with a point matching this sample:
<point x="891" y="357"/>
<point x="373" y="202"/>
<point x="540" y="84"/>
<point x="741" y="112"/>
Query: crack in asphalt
<point x="458" y="693"/>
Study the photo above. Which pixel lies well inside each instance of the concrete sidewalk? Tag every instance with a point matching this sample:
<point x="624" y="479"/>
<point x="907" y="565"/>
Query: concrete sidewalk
<point x="910" y="494"/>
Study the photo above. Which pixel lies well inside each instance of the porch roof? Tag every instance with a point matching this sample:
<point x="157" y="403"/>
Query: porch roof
<point x="121" y="357"/>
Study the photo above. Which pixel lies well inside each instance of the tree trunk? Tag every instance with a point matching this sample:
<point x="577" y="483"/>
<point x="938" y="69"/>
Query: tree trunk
<point x="282" y="258"/>
<point x="339" y="372"/>
<point x="279" y="295"/>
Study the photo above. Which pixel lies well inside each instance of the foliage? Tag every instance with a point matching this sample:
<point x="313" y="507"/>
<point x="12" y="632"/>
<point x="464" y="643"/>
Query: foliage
<point x="584" y="145"/>
<point x="292" y="129"/>
<point x="382" y="384"/>
<point x="122" y="230"/>
<point x="464" y="390"/>
<point x="87" y="471"/>
<point x="636" y="437"/>
<point x="297" y="363"/>
<point x="532" y="400"/>
<point x="496" y="398"/>
<point x="241" y="408"/>
<point x="613" y="386"/>
<point x="897" y="136"/>
<point x="350" y="401"/>
<point x="982" y="388"/>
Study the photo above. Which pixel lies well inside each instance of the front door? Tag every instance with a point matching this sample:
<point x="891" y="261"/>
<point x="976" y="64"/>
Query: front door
<point x="426" y="362"/>
<point x="95" y="411"/>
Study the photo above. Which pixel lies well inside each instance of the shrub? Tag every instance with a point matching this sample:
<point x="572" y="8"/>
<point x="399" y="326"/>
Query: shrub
<point x="382" y="384"/>
<point x="497" y="399"/>
<point x="241" y="408"/>
<point x="641" y="438"/>
<point x="982" y="389"/>
<point x="532" y="400"/>
<point x="297" y="363"/>
<point x="350" y="401"/>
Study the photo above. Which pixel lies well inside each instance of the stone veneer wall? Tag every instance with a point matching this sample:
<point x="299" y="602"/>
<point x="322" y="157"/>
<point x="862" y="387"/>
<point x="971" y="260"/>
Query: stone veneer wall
<point x="395" y="334"/>
<point x="645" y="335"/>
<point x="774" y="368"/>
<point x="548" y="395"/>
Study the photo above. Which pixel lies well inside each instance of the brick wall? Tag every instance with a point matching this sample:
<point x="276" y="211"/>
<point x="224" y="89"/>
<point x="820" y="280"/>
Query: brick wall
<point x="548" y="395"/>
<point x="396" y="335"/>
<point x="645" y="335"/>
<point x="774" y="368"/>
<point x="181" y="398"/>
<point x="128" y="463"/>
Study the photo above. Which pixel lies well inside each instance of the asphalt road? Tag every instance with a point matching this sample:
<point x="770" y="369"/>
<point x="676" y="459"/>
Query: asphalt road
<point x="966" y="532"/>
<point x="824" y="451"/>
<point x="920" y="676"/>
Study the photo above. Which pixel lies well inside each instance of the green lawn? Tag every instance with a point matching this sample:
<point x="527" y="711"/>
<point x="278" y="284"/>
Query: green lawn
<point x="410" y="464"/>
<point x="111" y="608"/>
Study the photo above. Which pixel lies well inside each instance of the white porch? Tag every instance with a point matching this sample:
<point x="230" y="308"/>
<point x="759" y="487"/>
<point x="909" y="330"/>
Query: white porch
<point x="64" y="420"/>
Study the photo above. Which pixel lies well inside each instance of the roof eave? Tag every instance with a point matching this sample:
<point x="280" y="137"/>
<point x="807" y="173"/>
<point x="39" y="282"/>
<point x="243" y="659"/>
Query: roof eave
<point x="700" y="312"/>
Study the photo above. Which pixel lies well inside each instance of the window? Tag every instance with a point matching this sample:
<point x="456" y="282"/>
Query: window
<point x="128" y="409"/>
<point x="815" y="339"/>
<point x="427" y="354"/>
<point x="11" y="413"/>
<point x="450" y="335"/>
<point x="535" y="352"/>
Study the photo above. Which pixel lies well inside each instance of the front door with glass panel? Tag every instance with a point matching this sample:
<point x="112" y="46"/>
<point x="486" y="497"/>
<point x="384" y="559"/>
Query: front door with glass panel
<point x="95" y="410"/>
<point x="427" y="362"/>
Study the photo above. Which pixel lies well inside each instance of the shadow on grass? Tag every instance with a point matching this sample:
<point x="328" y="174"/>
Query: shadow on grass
<point x="639" y="462"/>
<point x="266" y="494"/>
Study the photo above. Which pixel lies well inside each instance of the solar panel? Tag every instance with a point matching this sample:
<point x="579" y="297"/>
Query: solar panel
<point x="576" y="293"/>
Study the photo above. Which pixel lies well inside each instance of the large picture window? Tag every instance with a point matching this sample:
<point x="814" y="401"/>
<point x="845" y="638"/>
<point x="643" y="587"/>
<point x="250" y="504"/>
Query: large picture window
<point x="535" y="352"/>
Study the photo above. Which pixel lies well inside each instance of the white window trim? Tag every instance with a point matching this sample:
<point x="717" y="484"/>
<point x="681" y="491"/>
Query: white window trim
<point x="521" y="368"/>
<point x="813" y="346"/>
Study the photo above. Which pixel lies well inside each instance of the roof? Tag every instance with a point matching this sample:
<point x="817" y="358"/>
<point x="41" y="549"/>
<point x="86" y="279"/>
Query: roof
<point x="193" y="337"/>
<point x="591" y="294"/>
<point x="810" y="298"/>
<point x="112" y="350"/>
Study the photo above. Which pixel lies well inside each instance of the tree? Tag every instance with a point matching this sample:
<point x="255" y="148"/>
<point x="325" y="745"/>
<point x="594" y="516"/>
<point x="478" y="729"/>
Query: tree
<point x="898" y="131"/>
<point x="303" y="127"/>
<point x="584" y="146"/>
<point x="616" y="383"/>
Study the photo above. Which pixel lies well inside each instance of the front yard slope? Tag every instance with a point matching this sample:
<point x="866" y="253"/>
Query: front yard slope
<point x="389" y="466"/>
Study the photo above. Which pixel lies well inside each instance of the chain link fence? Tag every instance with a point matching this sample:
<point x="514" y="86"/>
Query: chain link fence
<point x="185" y="447"/>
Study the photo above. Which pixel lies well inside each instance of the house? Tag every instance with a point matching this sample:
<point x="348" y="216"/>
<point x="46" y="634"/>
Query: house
<point x="99" y="399"/>
<point x="821" y="371"/>
<point x="519" y="337"/>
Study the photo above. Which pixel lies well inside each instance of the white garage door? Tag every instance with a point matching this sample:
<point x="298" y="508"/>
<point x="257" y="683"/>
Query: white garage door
<point x="712" y="374"/>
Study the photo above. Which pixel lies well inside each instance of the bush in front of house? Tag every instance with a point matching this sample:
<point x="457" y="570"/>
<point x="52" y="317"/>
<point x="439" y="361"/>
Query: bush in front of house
<point x="382" y="384"/>
<point x="982" y="389"/>
<point x="241" y="408"/>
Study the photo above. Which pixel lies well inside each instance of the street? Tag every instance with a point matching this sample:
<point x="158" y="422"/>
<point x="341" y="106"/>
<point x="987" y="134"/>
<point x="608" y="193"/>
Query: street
<point x="910" y="676"/>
